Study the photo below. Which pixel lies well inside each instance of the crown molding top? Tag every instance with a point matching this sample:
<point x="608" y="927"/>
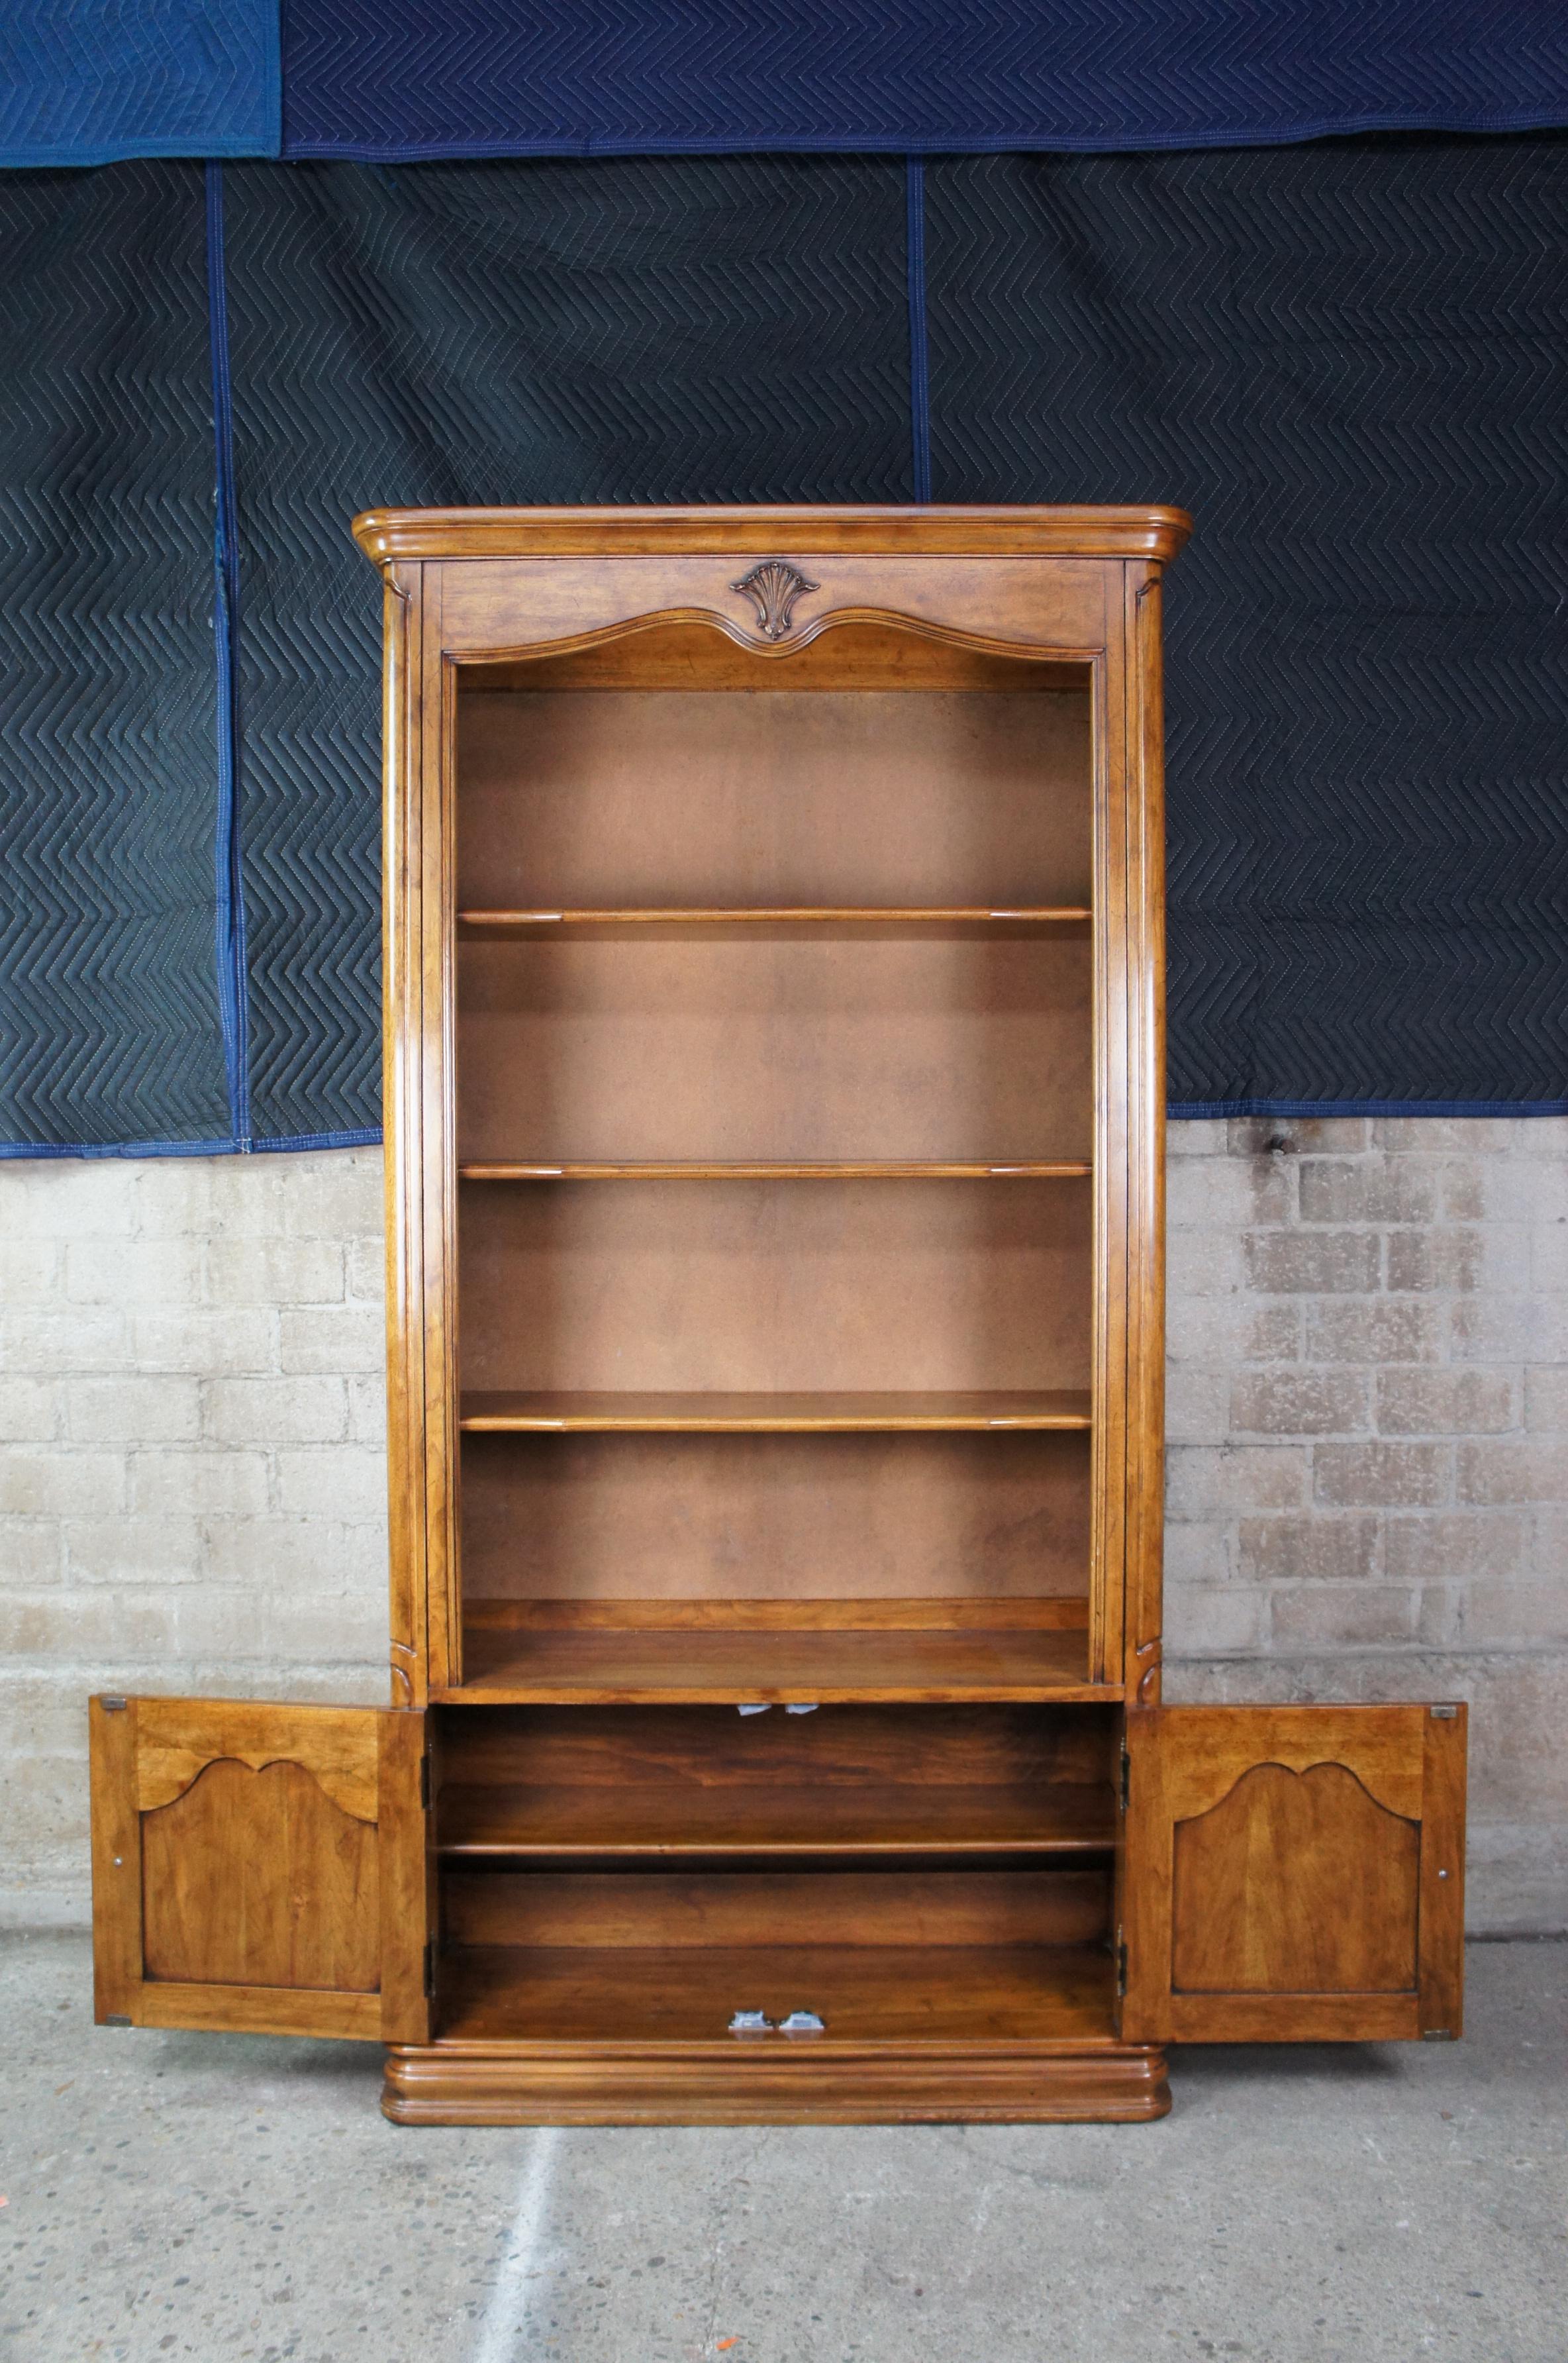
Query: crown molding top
<point x="387" y="536"/>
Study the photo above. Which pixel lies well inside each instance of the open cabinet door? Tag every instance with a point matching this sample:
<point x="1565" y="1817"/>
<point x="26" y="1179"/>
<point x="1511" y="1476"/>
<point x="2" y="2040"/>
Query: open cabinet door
<point x="261" y="1867"/>
<point x="1293" y="1874"/>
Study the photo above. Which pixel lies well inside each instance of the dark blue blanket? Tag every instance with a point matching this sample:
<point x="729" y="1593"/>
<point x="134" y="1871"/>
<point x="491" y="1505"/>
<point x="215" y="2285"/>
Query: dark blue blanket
<point x="83" y="81"/>
<point x="479" y="78"/>
<point x="1350" y="361"/>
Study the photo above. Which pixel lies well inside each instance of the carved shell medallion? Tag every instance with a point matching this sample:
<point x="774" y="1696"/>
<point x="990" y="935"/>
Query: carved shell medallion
<point x="773" y="588"/>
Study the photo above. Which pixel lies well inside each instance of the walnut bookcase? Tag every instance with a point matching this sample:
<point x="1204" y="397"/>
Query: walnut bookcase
<point x="773" y="1142"/>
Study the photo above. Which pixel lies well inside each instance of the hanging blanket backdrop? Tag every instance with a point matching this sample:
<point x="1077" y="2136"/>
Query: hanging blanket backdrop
<point x="1349" y="359"/>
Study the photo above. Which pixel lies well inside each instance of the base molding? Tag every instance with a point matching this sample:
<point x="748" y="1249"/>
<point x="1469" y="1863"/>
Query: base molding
<point x="797" y="2084"/>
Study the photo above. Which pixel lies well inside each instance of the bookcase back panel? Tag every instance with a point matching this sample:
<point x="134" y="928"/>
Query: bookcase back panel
<point x="775" y="1285"/>
<point x="802" y="1516"/>
<point x="609" y="798"/>
<point x="740" y="1043"/>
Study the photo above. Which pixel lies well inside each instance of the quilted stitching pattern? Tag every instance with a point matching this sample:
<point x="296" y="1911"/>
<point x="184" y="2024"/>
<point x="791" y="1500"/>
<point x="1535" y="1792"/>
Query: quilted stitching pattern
<point x="724" y="331"/>
<point x="109" y="1030"/>
<point x="595" y="77"/>
<point x="1349" y="362"/>
<point x="1351" y="366"/>
<point x="82" y="81"/>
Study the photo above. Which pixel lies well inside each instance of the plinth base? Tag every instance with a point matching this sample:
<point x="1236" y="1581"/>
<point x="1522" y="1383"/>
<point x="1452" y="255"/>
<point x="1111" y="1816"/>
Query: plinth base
<point x="810" y="2081"/>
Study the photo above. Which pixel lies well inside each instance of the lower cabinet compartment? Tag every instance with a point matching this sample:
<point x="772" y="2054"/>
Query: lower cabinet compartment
<point x="864" y="1913"/>
<point x="648" y="1783"/>
<point x="796" y="1956"/>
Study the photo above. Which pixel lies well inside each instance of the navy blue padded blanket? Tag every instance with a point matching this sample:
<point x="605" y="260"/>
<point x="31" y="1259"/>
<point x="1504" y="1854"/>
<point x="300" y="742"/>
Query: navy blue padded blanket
<point x="1350" y="361"/>
<point x="479" y="78"/>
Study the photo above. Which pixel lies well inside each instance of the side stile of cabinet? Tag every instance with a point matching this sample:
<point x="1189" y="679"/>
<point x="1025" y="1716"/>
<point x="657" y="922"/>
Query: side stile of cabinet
<point x="401" y="1093"/>
<point x="409" y="1878"/>
<point x="436" y="794"/>
<point x="1143" y="1469"/>
<point x="1113" y="1203"/>
<point x="1145" y="1107"/>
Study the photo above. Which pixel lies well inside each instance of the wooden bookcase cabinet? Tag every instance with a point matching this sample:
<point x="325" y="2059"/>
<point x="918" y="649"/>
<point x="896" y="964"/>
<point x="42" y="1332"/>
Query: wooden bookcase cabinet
<point x="774" y="1117"/>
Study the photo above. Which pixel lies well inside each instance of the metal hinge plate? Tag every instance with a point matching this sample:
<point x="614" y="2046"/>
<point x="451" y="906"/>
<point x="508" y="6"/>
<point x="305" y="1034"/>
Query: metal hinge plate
<point x="1126" y="1791"/>
<point x="1121" y="1962"/>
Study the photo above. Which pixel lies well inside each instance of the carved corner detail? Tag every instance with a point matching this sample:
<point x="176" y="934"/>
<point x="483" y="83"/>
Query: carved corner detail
<point x="1148" y="1654"/>
<point x="773" y="587"/>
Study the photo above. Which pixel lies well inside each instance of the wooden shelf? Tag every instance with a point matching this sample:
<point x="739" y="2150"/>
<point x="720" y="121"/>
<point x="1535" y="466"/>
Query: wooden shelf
<point x="949" y="1994"/>
<point x="689" y="1820"/>
<point x="786" y="915"/>
<point x="864" y="1169"/>
<point x="633" y="1413"/>
<point x="717" y="1666"/>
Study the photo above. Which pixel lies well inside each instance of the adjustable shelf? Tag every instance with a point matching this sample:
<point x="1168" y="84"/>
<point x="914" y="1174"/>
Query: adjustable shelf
<point x="864" y="1169"/>
<point x="652" y="1655"/>
<point x="761" y="1415"/>
<point x="778" y="1821"/>
<point x="504" y="923"/>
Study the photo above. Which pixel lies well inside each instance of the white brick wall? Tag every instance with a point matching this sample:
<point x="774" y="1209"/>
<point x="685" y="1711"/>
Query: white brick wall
<point x="1368" y="1427"/>
<point x="192" y="1478"/>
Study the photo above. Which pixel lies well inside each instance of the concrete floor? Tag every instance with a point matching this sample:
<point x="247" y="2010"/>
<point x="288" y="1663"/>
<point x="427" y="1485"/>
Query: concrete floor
<point x="242" y="2201"/>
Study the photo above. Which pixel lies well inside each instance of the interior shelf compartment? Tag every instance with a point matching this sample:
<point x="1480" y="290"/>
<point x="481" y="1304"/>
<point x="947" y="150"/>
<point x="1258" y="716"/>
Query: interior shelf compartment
<point x="775" y="1045"/>
<point x="673" y="1950"/>
<point x="692" y="776"/>
<point x="950" y="1994"/>
<point x="660" y="1783"/>
<point x="737" y="1652"/>
<point x="635" y="1412"/>
<point x="771" y="1288"/>
<point x="962" y="1527"/>
<point x="864" y="1169"/>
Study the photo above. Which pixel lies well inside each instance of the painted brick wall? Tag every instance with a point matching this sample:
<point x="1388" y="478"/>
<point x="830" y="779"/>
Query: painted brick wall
<point x="192" y="1477"/>
<point x="1368" y="1425"/>
<point x="1367" y="1419"/>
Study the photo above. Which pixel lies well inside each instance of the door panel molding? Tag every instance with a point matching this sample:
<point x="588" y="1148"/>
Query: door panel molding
<point x="177" y="1738"/>
<point x="1233" y="1932"/>
<point x="262" y="1840"/>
